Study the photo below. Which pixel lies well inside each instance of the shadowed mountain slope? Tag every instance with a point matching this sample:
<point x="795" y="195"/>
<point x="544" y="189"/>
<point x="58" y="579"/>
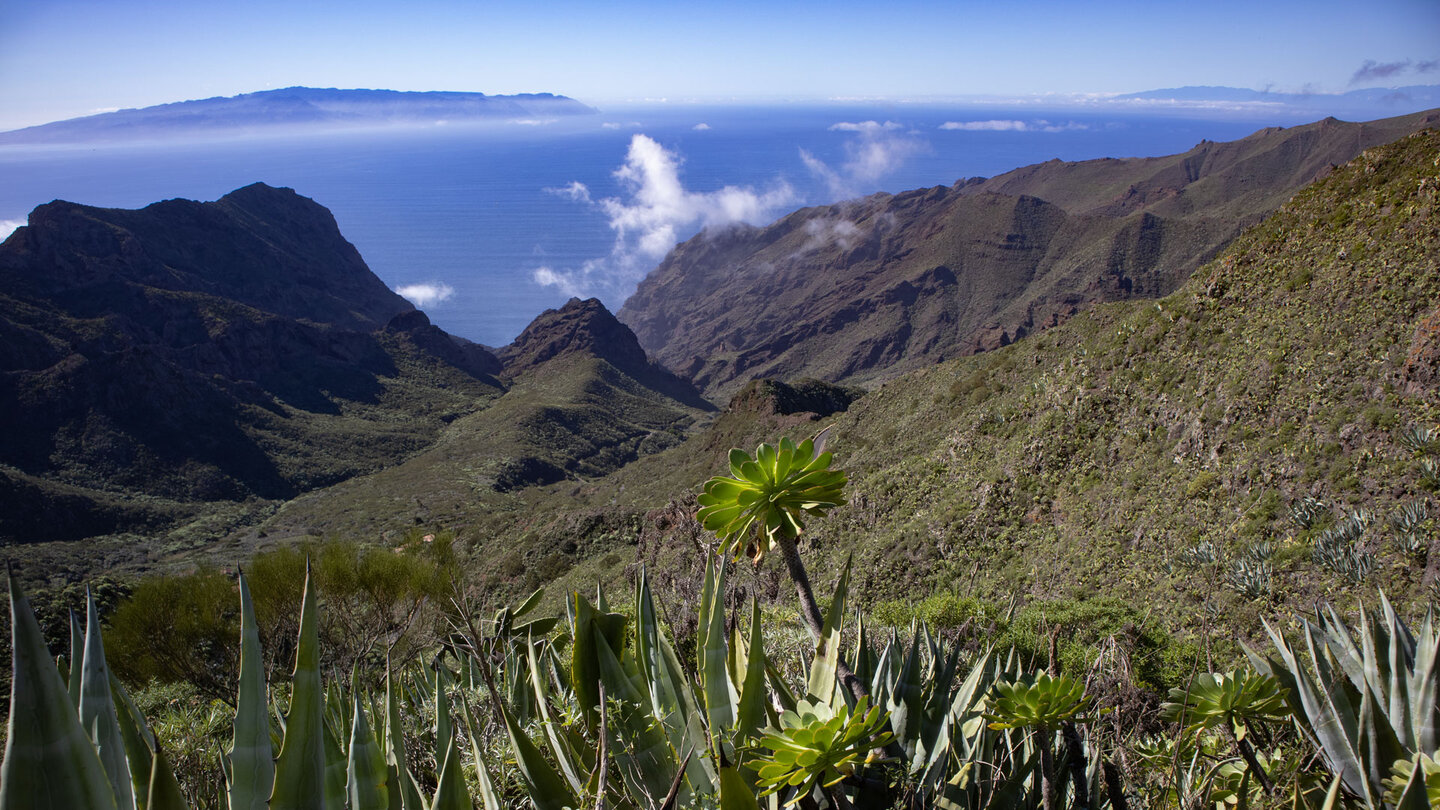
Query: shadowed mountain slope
<point x="870" y="288"/>
<point x="583" y="401"/>
<point x="188" y="353"/>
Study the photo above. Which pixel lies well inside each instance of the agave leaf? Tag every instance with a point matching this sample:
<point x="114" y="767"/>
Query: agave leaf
<point x="638" y="746"/>
<point x="50" y="761"/>
<point x="163" y="792"/>
<point x="77" y="659"/>
<point x="489" y="799"/>
<point x="451" y="793"/>
<point x="366" y="779"/>
<point x="300" y="768"/>
<point x="827" y="649"/>
<point x="444" y="732"/>
<point x="564" y="756"/>
<point x="400" y="779"/>
<point x="905" y="700"/>
<point x="735" y="794"/>
<point x="97" y="709"/>
<point x="546" y="788"/>
<point x="139" y="742"/>
<point x="671" y="697"/>
<point x="718" y="689"/>
<point x="252" y="757"/>
<point x="531" y="602"/>
<point x="750" y="715"/>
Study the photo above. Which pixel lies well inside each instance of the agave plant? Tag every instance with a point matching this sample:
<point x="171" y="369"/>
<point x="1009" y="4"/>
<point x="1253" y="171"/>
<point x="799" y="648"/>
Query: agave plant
<point x="1249" y="577"/>
<point x="1366" y="703"/>
<point x="1408" y="524"/>
<point x="1420" y="439"/>
<point x="1306" y="512"/>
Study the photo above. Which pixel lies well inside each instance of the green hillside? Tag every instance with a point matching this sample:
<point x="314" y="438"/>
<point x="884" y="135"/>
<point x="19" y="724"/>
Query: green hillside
<point x="1116" y="454"/>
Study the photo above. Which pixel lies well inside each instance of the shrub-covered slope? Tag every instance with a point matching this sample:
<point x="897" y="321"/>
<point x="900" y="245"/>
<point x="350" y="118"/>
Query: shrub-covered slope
<point x="1141" y="450"/>
<point x="582" y="401"/>
<point x="869" y="288"/>
<point x="1119" y="453"/>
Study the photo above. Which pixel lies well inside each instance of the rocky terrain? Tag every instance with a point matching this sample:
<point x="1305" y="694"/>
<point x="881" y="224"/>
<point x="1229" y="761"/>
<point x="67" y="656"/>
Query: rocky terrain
<point x="871" y="288"/>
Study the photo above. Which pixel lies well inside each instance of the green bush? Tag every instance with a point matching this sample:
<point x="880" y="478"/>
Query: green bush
<point x="182" y="629"/>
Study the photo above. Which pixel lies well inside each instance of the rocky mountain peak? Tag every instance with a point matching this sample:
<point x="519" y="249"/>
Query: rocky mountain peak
<point x="585" y="327"/>
<point x="267" y="248"/>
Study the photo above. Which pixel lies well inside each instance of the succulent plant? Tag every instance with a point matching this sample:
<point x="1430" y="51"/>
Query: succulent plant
<point x="1250" y="578"/>
<point x="1231" y="702"/>
<point x="768" y="496"/>
<point x="1038" y="699"/>
<point x="815" y="745"/>
<point x="1419" y="439"/>
<point x="1306" y="512"/>
<point x="1418" y="776"/>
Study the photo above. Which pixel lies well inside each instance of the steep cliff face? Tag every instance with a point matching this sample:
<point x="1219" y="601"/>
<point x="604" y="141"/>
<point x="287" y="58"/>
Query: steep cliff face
<point x="195" y="352"/>
<point x="871" y="288"/>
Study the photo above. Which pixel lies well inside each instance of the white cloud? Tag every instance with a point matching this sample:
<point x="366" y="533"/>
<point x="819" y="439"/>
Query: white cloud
<point x="867" y="127"/>
<point x="1001" y="125"/>
<point x="701" y="127"/>
<point x="654" y="212"/>
<point x="822" y="232"/>
<point x="423" y="295"/>
<point x="986" y="126"/>
<point x="575" y="192"/>
<point x="876" y="151"/>
<point x="8" y="226"/>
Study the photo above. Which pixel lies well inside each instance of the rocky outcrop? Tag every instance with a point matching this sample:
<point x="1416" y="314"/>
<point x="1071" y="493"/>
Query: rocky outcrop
<point x="586" y="328"/>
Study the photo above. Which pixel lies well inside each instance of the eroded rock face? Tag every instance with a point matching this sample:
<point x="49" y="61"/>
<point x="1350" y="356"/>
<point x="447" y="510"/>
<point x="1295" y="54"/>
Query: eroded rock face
<point x="870" y="288"/>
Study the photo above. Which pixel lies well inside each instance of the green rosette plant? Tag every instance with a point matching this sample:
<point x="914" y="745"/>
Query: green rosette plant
<point x="767" y="497"/>
<point x="816" y="745"/>
<point x="1037" y="700"/>
<point x="1041" y="702"/>
<point x="1232" y="702"/>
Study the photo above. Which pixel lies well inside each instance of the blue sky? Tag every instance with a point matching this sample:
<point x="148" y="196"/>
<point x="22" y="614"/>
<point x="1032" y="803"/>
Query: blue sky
<point x="63" y="58"/>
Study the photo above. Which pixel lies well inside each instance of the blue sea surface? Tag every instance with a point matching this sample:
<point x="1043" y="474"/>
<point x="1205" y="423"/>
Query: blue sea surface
<point x="475" y="209"/>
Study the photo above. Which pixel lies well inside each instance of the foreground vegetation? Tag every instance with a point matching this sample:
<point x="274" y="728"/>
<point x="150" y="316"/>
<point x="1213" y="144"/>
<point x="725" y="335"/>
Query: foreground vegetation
<point x="593" y="708"/>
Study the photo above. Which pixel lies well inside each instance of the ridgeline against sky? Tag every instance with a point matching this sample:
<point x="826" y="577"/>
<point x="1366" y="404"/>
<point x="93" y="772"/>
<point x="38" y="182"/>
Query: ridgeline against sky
<point x="135" y="53"/>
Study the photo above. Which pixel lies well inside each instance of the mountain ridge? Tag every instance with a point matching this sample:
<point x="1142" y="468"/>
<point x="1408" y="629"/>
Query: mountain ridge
<point x="869" y="288"/>
<point x="297" y="108"/>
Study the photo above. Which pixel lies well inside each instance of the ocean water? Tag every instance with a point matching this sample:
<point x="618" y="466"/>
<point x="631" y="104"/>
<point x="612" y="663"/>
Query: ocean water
<point x="480" y="210"/>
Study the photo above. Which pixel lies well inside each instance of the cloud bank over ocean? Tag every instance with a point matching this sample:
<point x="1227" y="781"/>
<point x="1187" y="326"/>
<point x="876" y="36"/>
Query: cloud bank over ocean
<point x="877" y="150"/>
<point x="426" y="294"/>
<point x="650" y="216"/>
